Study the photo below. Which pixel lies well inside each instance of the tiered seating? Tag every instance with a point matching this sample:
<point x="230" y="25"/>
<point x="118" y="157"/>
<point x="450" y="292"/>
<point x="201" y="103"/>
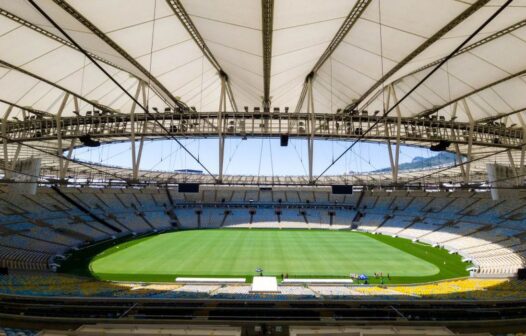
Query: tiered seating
<point x="205" y="289"/>
<point x="292" y="219"/>
<point x="159" y="219"/>
<point x="292" y="196"/>
<point x="451" y="232"/>
<point x="264" y="218"/>
<point x="211" y="218"/>
<point x="187" y="218"/>
<point x="36" y="227"/>
<point x="131" y="221"/>
<point x="17" y="332"/>
<point x="401" y="202"/>
<point x="297" y="291"/>
<point x="478" y="238"/>
<point x="417" y="204"/>
<point x="232" y="291"/>
<point x="437" y="203"/>
<point x="238" y="196"/>
<point x="383" y="203"/>
<point x="422" y="228"/>
<point x="16" y="241"/>
<point x="238" y="218"/>
<point x="145" y="329"/>
<point x="383" y="293"/>
<point x="51" y="284"/>
<point x="17" y="258"/>
<point x="341" y="219"/>
<point x="462" y="221"/>
<point x="333" y="291"/>
<point x="394" y="225"/>
<point x="478" y="289"/>
<point x="371" y="222"/>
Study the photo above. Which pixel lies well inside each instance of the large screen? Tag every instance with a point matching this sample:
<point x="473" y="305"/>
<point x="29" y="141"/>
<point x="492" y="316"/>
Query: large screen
<point x="188" y="187"/>
<point x="342" y="189"/>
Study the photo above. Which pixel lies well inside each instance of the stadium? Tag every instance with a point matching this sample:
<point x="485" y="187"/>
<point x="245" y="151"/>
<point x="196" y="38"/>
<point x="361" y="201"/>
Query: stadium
<point x="243" y="167"/>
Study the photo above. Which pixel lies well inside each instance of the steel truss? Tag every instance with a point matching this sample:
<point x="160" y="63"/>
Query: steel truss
<point x="108" y="127"/>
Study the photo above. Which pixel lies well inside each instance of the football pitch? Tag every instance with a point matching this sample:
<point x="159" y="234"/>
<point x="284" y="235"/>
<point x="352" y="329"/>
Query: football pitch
<point x="296" y="253"/>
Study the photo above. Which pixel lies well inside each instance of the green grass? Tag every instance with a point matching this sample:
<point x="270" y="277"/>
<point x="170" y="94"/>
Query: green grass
<point x="298" y="253"/>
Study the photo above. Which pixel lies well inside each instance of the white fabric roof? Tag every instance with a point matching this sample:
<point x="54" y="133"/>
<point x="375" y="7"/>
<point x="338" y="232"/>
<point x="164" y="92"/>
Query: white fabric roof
<point x="152" y="40"/>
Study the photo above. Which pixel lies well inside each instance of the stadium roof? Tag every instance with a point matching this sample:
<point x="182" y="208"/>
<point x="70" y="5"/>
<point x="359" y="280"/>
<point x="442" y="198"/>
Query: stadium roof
<point x="354" y="54"/>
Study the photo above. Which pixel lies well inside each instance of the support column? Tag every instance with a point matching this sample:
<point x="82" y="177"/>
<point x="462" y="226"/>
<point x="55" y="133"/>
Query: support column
<point x="462" y="168"/>
<point x="7" y="173"/>
<point x="135" y="167"/>
<point x="144" y="129"/>
<point x="470" y="139"/>
<point x="76" y="104"/>
<point x="58" y="120"/>
<point x="66" y="163"/>
<point x="523" y="156"/>
<point x="457" y="148"/>
<point x="513" y="167"/>
<point x="394" y="160"/>
<point x="523" y="149"/>
<point x="141" y="146"/>
<point x="72" y="143"/>
<point x="221" y="137"/>
<point x="312" y="128"/>
<point x="398" y="131"/>
<point x="15" y="157"/>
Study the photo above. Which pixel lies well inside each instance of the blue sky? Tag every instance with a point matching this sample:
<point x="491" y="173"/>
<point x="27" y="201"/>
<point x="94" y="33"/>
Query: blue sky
<point x="251" y="157"/>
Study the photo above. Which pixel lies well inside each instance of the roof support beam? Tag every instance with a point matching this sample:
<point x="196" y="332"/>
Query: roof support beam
<point x="408" y="93"/>
<point x="500" y="116"/>
<point x="161" y="90"/>
<point x="142" y="106"/>
<point x="42" y="79"/>
<point x="443" y="31"/>
<point x="352" y="18"/>
<point x="27" y="109"/>
<point x="470" y="47"/>
<point x="463" y="97"/>
<point x="267" y="18"/>
<point x="186" y="21"/>
<point x="52" y="36"/>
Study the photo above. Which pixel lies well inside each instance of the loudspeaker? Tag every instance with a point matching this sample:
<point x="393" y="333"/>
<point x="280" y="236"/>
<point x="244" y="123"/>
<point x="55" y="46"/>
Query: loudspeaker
<point x="188" y="187"/>
<point x="284" y="140"/>
<point x="521" y="274"/>
<point x="4" y="271"/>
<point x="342" y="189"/>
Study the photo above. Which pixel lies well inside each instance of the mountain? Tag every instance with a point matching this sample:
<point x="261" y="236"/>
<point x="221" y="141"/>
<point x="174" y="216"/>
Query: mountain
<point x="419" y="162"/>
